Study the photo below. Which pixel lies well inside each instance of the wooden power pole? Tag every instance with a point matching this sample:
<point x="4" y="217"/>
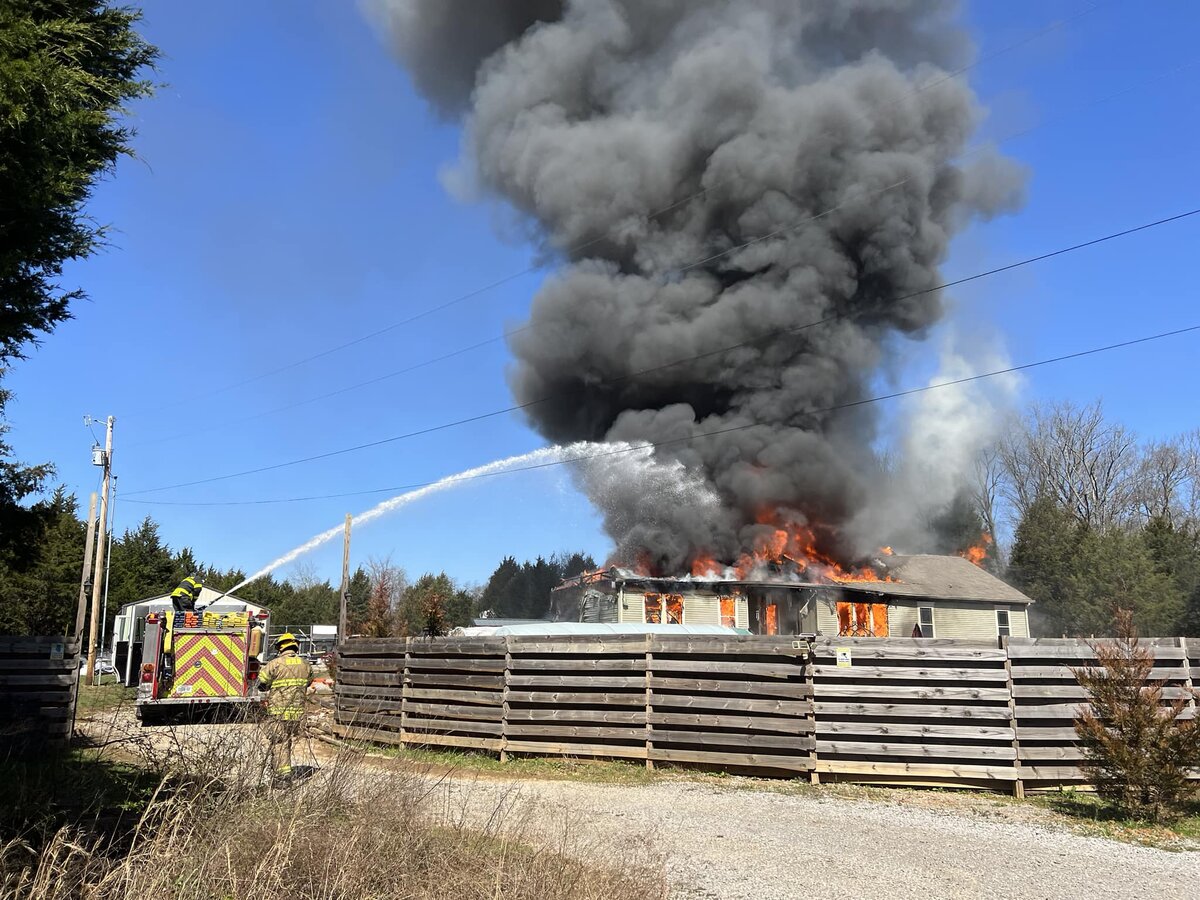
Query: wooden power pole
<point x="89" y="541"/>
<point x="343" y="612"/>
<point x="98" y="570"/>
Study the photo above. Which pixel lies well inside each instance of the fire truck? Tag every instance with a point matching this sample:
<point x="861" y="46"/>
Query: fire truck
<point x="200" y="659"/>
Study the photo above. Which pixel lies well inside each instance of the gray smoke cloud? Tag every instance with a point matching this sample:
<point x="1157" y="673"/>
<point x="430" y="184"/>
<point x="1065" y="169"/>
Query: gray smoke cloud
<point x="826" y="132"/>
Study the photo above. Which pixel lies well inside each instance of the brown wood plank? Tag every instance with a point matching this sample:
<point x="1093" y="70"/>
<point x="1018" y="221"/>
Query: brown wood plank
<point x="1028" y="733"/>
<point x="1069" y="691"/>
<point x="1053" y="773"/>
<point x="709" y="702"/>
<point x="455" y="711"/>
<point x="376" y="679"/>
<point x="927" y="770"/>
<point x="1051" y="753"/>
<point x="931" y="729"/>
<point x="551" y="748"/>
<point x="613" y="716"/>
<point x="912" y="710"/>
<point x="577" y="681"/>
<point x="1178" y="672"/>
<point x="1078" y="650"/>
<point x="563" y="732"/>
<point x="911" y="673"/>
<point x="54" y="666"/>
<point x="492" y="698"/>
<point x="430" y="739"/>
<point x="784" y="669"/>
<point x="751" y="688"/>
<point x="37" y="681"/>
<point x="566" y="698"/>
<point x="369" y="704"/>
<point x="413" y="723"/>
<point x="939" y="752"/>
<point x="469" y="664"/>
<point x="370" y="664"/>
<point x="1026" y="710"/>
<point x="745" y="760"/>
<point x="453" y="679"/>
<point x="527" y="664"/>
<point x="779" y="724"/>
<point x="914" y="692"/>
<point x="799" y="743"/>
<point x="908" y="648"/>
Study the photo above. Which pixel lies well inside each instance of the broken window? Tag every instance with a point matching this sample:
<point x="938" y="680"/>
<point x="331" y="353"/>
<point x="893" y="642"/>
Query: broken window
<point x="771" y="623"/>
<point x="653" y="609"/>
<point x="862" y="619"/>
<point x="663" y="609"/>
<point x="729" y="612"/>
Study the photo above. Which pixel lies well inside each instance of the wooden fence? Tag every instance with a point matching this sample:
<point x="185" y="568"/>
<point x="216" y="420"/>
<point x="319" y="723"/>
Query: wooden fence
<point x="37" y="688"/>
<point x="912" y="711"/>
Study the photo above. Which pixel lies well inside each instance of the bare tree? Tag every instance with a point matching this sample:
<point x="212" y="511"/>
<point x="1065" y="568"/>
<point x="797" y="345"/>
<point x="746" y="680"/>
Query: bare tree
<point x="388" y="583"/>
<point x="1089" y="465"/>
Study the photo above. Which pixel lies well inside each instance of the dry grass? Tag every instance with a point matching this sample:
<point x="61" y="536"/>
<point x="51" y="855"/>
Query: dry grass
<point x="197" y="818"/>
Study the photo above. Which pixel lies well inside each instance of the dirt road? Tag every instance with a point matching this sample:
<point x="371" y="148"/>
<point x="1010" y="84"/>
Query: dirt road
<point x="740" y="844"/>
<point x="733" y="839"/>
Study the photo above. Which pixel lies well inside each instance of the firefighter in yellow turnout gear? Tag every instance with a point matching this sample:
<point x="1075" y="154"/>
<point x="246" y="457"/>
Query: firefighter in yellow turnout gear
<point x="285" y="679"/>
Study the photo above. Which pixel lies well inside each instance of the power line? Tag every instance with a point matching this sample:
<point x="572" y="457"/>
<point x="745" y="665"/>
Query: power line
<point x="688" y="439"/>
<point x="496" y="339"/>
<point x="766" y="335"/>
<point x="578" y="248"/>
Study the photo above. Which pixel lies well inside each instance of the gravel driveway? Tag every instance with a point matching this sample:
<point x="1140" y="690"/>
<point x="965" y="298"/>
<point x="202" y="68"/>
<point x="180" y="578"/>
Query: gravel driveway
<point x="735" y="841"/>
<point x="761" y="845"/>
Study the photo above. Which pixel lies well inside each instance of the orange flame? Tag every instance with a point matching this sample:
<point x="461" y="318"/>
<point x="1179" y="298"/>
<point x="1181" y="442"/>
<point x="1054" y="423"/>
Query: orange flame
<point x="886" y="551"/>
<point x="787" y="543"/>
<point x="979" y="551"/>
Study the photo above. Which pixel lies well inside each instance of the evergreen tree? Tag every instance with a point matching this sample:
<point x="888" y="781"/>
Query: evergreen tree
<point x="142" y="566"/>
<point x="1043" y="561"/>
<point x="42" y="598"/>
<point x="496" y="596"/>
<point x="67" y="67"/>
<point x="359" y="594"/>
<point x="425" y="605"/>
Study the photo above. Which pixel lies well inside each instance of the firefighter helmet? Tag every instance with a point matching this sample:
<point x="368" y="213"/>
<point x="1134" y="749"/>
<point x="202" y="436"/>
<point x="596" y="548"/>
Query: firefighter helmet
<point x="286" y="641"/>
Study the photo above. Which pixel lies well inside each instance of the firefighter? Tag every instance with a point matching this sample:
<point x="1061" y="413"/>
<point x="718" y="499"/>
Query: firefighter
<point x="184" y="597"/>
<point x="285" y="679"/>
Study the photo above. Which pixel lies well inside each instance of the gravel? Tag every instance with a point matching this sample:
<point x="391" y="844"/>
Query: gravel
<point x="761" y="845"/>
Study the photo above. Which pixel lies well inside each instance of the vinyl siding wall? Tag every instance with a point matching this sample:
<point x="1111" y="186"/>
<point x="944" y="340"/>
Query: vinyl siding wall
<point x="698" y="609"/>
<point x="951" y="619"/>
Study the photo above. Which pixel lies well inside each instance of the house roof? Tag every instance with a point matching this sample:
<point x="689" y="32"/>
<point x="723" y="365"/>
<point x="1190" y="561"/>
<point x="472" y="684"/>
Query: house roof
<point x="941" y="578"/>
<point x="207" y="597"/>
<point x="923" y="575"/>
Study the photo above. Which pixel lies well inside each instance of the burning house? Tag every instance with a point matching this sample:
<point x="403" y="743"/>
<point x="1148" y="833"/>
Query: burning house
<point x="915" y="596"/>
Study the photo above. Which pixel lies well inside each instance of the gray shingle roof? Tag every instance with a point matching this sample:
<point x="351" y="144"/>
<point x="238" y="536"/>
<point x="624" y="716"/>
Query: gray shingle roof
<point x="941" y="578"/>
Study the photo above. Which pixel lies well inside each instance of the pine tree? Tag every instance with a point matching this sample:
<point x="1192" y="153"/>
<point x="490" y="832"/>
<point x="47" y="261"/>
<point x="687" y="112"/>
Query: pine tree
<point x="423" y="608"/>
<point x="359" y="594"/>
<point x="1043" y="562"/>
<point x="42" y="598"/>
<point x="1138" y="751"/>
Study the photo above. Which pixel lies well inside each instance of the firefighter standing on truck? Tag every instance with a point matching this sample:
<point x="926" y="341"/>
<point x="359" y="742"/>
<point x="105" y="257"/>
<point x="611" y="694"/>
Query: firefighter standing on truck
<point x="184" y="597"/>
<point x="286" y="680"/>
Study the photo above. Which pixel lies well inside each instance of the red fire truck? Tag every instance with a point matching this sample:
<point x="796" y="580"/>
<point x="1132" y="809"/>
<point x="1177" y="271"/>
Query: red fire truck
<point x="199" y="659"/>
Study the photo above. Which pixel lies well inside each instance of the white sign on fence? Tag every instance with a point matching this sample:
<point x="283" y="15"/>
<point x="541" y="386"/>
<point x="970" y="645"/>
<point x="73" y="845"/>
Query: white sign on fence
<point x="843" y="657"/>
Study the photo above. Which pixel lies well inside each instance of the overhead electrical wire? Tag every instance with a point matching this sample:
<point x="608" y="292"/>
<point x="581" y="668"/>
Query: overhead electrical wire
<point x="764" y="336"/>
<point x="695" y="437"/>
<point x="578" y="248"/>
<point x="225" y="424"/>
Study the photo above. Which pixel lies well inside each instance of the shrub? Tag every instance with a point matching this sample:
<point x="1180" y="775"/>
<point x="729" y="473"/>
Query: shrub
<point x="1137" y="751"/>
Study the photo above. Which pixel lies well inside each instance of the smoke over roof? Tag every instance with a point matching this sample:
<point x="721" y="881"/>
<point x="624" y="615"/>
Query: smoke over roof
<point x="825" y="132"/>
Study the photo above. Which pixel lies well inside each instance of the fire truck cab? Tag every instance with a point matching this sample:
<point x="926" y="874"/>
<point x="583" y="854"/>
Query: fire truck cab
<point x="204" y="658"/>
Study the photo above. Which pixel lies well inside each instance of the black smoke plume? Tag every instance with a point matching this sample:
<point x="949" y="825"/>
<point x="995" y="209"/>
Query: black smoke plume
<point x="822" y="135"/>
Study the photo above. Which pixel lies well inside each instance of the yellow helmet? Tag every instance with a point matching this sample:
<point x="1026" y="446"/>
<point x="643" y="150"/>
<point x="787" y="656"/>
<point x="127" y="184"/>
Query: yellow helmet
<point x="286" y="641"/>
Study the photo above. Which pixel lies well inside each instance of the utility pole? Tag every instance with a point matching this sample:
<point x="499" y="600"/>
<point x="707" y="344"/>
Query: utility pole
<point x="98" y="570"/>
<point x="89" y="541"/>
<point x="343" y="613"/>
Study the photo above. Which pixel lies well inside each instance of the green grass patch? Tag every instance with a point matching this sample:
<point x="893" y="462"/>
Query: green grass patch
<point x="600" y="771"/>
<point x="1090" y="814"/>
<point x="100" y="697"/>
<point x="39" y="794"/>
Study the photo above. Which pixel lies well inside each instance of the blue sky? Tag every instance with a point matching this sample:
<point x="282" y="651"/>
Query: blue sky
<point x="287" y="199"/>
